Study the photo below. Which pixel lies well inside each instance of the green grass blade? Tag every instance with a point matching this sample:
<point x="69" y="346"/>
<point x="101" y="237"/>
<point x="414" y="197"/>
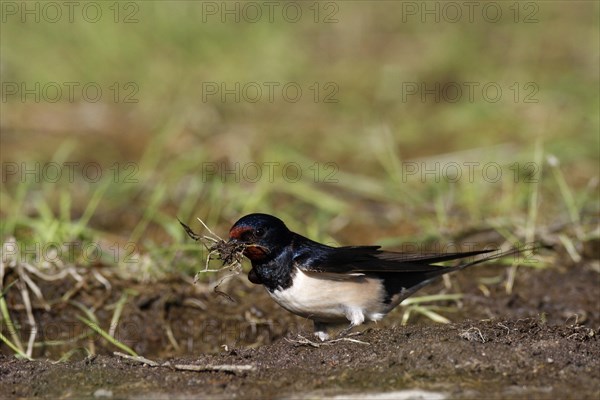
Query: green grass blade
<point x="106" y="336"/>
<point x="13" y="347"/>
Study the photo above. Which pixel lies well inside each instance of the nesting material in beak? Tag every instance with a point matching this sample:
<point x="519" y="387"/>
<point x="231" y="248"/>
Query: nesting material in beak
<point x="230" y="253"/>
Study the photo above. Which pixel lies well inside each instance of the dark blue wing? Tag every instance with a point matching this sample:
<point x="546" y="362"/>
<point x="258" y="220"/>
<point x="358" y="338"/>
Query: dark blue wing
<point x="315" y="257"/>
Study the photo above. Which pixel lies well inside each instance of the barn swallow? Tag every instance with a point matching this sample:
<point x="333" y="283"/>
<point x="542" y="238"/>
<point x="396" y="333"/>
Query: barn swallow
<point x="334" y="285"/>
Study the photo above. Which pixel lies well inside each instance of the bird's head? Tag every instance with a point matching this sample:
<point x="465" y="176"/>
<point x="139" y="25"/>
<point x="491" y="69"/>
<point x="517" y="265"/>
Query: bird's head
<point x="262" y="234"/>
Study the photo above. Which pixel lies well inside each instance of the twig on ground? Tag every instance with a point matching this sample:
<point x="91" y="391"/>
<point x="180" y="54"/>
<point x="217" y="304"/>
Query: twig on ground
<point x="223" y="368"/>
<point x="188" y="367"/>
<point x="139" y="359"/>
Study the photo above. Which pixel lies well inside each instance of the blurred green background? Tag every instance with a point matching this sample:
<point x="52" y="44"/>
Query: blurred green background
<point x="379" y="107"/>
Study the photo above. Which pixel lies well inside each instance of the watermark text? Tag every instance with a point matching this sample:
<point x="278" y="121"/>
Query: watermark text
<point x="126" y="12"/>
<point x="68" y="172"/>
<point x="526" y="12"/>
<point x="269" y="171"/>
<point x="471" y="92"/>
<point x="325" y="12"/>
<point x="469" y="172"/>
<point x="54" y="92"/>
<point x="269" y="92"/>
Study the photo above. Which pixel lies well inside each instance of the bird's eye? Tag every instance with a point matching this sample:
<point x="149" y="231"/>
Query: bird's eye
<point x="260" y="232"/>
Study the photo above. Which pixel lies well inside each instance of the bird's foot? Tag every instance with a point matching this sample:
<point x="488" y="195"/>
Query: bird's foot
<point x="346" y="332"/>
<point x="321" y="331"/>
<point x="302" y="341"/>
<point x="321" y="335"/>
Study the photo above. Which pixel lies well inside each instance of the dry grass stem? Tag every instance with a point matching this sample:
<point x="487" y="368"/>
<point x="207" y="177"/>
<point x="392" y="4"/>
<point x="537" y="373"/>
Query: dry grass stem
<point x="473" y="334"/>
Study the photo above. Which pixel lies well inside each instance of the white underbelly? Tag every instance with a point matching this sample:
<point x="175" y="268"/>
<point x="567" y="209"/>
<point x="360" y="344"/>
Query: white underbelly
<point x="328" y="298"/>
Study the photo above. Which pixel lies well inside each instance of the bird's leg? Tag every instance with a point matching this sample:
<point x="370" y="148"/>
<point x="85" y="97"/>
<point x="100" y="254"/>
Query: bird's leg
<point x="321" y="330"/>
<point x="356" y="317"/>
<point x="346" y="331"/>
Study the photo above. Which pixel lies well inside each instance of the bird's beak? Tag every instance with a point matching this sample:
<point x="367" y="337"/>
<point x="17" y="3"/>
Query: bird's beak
<point x="233" y="241"/>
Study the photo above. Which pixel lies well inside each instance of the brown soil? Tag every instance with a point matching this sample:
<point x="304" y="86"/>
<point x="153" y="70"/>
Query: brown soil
<point x="539" y="342"/>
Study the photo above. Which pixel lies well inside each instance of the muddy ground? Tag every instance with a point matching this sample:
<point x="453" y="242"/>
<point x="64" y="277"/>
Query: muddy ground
<point x="539" y="342"/>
